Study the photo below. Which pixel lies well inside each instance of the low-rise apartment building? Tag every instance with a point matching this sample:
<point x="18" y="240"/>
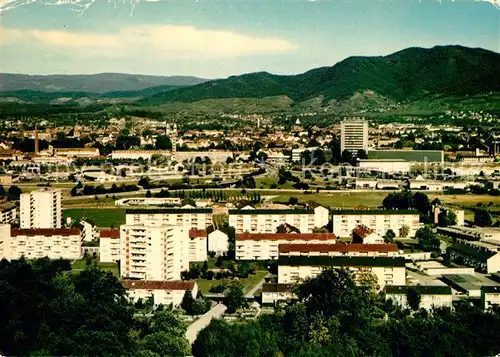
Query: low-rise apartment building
<point x="273" y="292"/>
<point x="265" y="246"/>
<point x="8" y="212"/>
<point x="138" y="154"/>
<point x="165" y="293"/>
<point x="363" y="234"/>
<point x="387" y="270"/>
<point x="479" y="258"/>
<point x="197" y="245"/>
<point x="431" y="296"/>
<point x="189" y="218"/>
<point x="53" y="243"/>
<point x="76" y="152"/>
<point x="153" y="252"/>
<point x="334" y="250"/>
<point x="251" y="220"/>
<point x="345" y="221"/>
<point x="490" y="296"/>
<point x="109" y="245"/>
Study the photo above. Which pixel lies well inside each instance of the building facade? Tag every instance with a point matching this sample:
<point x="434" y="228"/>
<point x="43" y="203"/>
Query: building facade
<point x="387" y="270"/>
<point x="251" y="220"/>
<point x="153" y="252"/>
<point x="53" y="243"/>
<point x="165" y="293"/>
<point x="334" y="250"/>
<point x="265" y="246"/>
<point x="354" y="135"/>
<point x="380" y="221"/>
<point x="8" y="212"/>
<point x="189" y="218"/>
<point x="41" y="209"/>
<point x="490" y="296"/>
<point x="197" y="245"/>
<point x="431" y="296"/>
<point x="109" y="246"/>
<point x="218" y="242"/>
<point x="273" y="292"/>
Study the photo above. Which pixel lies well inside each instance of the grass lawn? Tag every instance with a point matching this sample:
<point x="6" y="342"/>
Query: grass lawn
<point x="204" y="285"/>
<point x="80" y="264"/>
<point x="337" y="200"/>
<point x="102" y="217"/>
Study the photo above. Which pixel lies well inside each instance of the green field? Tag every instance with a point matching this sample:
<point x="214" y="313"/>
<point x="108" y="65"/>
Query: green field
<point x="204" y="285"/>
<point x="102" y="217"/>
<point x="80" y="264"/>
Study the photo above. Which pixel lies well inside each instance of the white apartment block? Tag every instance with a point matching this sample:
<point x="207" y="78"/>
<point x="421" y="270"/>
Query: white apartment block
<point x="41" y="209"/>
<point x="8" y="212"/>
<point x="53" y="243"/>
<point x="490" y="296"/>
<point x="265" y="246"/>
<point x="76" y="152"/>
<point x="272" y="292"/>
<point x="344" y="221"/>
<point x="387" y="270"/>
<point x="153" y="252"/>
<point x="335" y="250"/>
<point x="354" y="135"/>
<point x="109" y="246"/>
<point x="163" y="292"/>
<point x="385" y="165"/>
<point x="218" y="242"/>
<point x="138" y="154"/>
<point x="431" y="296"/>
<point x="189" y="218"/>
<point x="197" y="245"/>
<point x="251" y="220"/>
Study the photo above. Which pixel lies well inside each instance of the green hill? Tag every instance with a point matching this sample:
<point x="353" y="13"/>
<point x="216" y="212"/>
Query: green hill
<point x="406" y="75"/>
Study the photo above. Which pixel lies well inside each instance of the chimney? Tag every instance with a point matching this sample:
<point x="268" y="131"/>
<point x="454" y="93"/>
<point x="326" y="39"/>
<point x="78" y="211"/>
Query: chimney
<point x="37" y="149"/>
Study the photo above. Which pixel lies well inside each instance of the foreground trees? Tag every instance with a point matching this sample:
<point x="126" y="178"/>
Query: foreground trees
<point x="47" y="310"/>
<point x="335" y="317"/>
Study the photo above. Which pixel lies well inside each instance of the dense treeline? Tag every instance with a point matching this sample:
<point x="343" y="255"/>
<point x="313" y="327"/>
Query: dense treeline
<point x="48" y="311"/>
<point x="334" y="317"/>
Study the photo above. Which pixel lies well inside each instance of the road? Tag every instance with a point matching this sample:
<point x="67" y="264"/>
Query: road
<point x="252" y="291"/>
<point x="203" y="321"/>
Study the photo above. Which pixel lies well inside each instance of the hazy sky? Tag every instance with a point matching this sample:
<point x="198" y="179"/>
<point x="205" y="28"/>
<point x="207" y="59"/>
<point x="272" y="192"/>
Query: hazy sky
<point x="215" y="38"/>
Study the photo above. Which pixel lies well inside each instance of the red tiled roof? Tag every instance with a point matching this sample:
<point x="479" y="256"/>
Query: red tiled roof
<point x="109" y="233"/>
<point x="362" y="231"/>
<point x="286" y="236"/>
<point x="44" y="231"/>
<point x="197" y="233"/>
<point x="343" y="248"/>
<point x="158" y="285"/>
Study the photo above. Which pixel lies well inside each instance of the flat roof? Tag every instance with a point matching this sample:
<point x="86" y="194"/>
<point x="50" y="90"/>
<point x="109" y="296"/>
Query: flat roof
<point x="167" y="210"/>
<point x="422" y="289"/>
<point x="285" y="236"/>
<point x="109" y="233"/>
<point x="343" y="248"/>
<point x="158" y="285"/>
<point x="276" y="288"/>
<point x="270" y="211"/>
<point x="373" y="211"/>
<point x="463" y="282"/>
<point x="341" y="261"/>
<point x="44" y="232"/>
<point x="408" y="155"/>
<point x="479" y="253"/>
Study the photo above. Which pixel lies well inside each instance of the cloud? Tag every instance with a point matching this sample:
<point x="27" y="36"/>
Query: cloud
<point x="161" y="42"/>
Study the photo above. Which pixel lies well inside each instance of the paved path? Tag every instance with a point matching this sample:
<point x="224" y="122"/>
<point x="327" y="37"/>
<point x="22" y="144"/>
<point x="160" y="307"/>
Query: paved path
<point x="203" y="321"/>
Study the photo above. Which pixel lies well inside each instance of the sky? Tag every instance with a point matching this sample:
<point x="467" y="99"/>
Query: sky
<point x="219" y="38"/>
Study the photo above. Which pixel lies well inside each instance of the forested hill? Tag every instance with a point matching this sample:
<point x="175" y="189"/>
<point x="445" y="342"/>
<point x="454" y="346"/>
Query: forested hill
<point x="405" y="75"/>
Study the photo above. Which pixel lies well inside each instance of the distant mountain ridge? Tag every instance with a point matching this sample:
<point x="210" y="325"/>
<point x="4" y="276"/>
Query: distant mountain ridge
<point x="92" y="83"/>
<point x="409" y="74"/>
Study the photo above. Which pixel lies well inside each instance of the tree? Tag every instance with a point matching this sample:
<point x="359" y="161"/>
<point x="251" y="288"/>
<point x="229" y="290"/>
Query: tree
<point x="404" y="231"/>
<point x="163" y="142"/>
<point x="362" y="154"/>
<point x="421" y="202"/>
<point x="427" y="240"/>
<point x="347" y="156"/>
<point x="126" y="142"/>
<point x="293" y="200"/>
<point x="187" y="303"/>
<point x="447" y="218"/>
<point x="389" y="236"/>
<point x="482" y="218"/>
<point x="413" y="298"/>
<point x="235" y="298"/>
<point x="148" y="194"/>
<point x="14" y="193"/>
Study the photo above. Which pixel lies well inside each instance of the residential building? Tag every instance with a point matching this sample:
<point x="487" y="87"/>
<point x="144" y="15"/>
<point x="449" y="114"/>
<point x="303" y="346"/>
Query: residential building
<point x="33" y="243"/>
<point x="352" y="250"/>
<point x="264" y="246"/>
<point x="218" y="242"/>
<point x="481" y="259"/>
<point x="189" y="218"/>
<point x="251" y="220"/>
<point x="197" y="245"/>
<point x="153" y="252"/>
<point x="109" y="246"/>
<point x="490" y="296"/>
<point x="354" y="135"/>
<point x="363" y="234"/>
<point x="387" y="270"/>
<point x="412" y="156"/>
<point x="89" y="231"/>
<point x="273" y="292"/>
<point x="214" y="156"/>
<point x="486" y="234"/>
<point x="8" y="212"/>
<point x="76" y="152"/>
<point x="6" y="180"/>
<point x="41" y="209"/>
<point x="431" y="296"/>
<point x="344" y="221"/>
<point x="165" y="293"/>
<point x="138" y="154"/>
